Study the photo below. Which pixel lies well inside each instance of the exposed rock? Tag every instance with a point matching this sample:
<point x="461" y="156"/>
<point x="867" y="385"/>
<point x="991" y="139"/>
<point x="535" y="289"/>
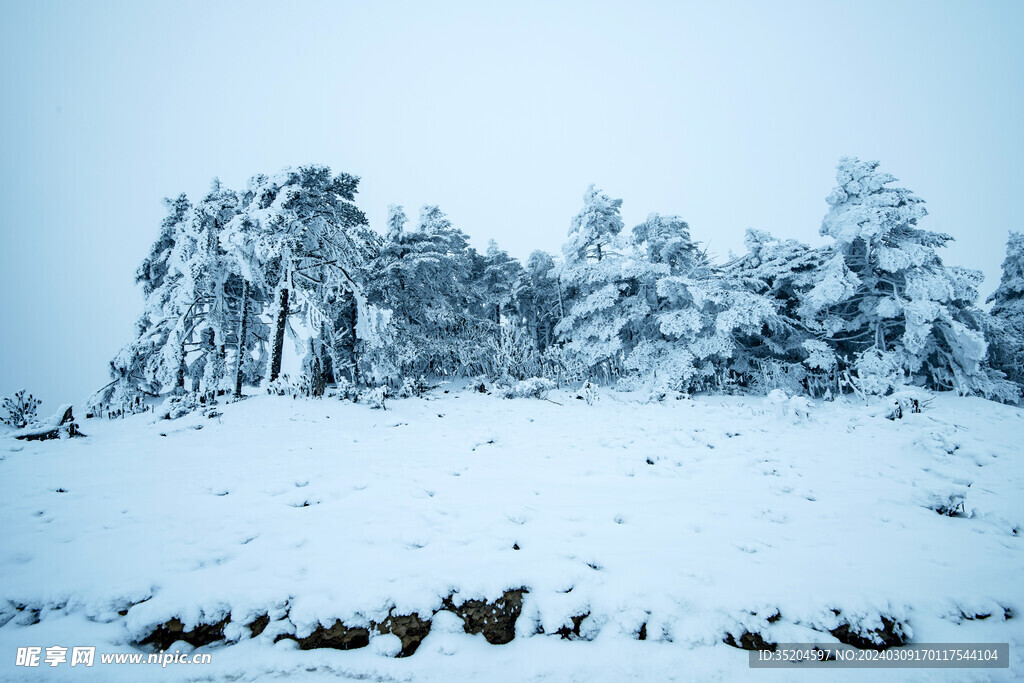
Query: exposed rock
<point x="338" y="637"/>
<point x="890" y="635"/>
<point x="749" y="641"/>
<point x="259" y="624"/>
<point x="497" y="620"/>
<point x="574" y="632"/>
<point x="410" y="629"/>
<point x="173" y="630"/>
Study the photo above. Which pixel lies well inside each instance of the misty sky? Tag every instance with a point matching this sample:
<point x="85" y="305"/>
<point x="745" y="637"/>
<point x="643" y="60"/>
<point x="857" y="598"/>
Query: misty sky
<point x="732" y="115"/>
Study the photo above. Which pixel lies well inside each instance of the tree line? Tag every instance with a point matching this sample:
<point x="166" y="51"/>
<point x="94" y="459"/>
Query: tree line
<point x="234" y="278"/>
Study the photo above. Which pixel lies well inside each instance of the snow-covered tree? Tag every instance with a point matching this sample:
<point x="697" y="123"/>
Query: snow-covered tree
<point x="886" y="290"/>
<point x="302" y="235"/>
<point x="542" y="299"/>
<point x="155" y="360"/>
<point x="784" y="354"/>
<point x="1007" y="328"/>
<point x="501" y="282"/>
<point x="594" y="229"/>
<point x="425" y="278"/>
<point x="607" y="292"/>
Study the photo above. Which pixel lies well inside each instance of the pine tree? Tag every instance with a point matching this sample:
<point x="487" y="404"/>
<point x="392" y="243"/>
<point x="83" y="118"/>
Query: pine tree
<point x="542" y="299"/>
<point x="887" y="297"/>
<point x="609" y="293"/>
<point x="306" y="236"/>
<point x="501" y="280"/>
<point x="1007" y="330"/>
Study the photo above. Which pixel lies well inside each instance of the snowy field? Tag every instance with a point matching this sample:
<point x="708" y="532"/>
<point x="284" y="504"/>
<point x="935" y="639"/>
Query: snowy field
<point x="685" y="522"/>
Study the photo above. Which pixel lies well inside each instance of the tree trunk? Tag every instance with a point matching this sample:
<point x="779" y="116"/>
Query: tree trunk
<point x="241" y="338"/>
<point x="497" y="314"/>
<point x="282" y="319"/>
<point x="347" y="328"/>
<point x="181" y="370"/>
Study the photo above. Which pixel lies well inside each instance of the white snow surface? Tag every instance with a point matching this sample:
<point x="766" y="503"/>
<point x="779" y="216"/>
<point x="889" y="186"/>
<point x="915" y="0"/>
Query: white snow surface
<point x="698" y="517"/>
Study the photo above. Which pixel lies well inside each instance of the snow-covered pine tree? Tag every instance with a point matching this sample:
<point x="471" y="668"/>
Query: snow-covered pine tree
<point x="304" y="236"/>
<point x="501" y="281"/>
<point x="155" y="360"/>
<point x="425" y="278"/>
<point x="609" y="293"/>
<point x="885" y="298"/>
<point x="702" y="322"/>
<point x="1007" y="326"/>
<point x="541" y="298"/>
<point x="784" y="355"/>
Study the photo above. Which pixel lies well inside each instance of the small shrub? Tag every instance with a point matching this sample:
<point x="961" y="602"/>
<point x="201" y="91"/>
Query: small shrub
<point x="588" y="393"/>
<point x="412" y="387"/>
<point x="534" y="387"/>
<point x="21" y="410"/>
<point x="179" y="406"/>
<point x="345" y="391"/>
<point x="285" y="386"/>
<point x="374" y="397"/>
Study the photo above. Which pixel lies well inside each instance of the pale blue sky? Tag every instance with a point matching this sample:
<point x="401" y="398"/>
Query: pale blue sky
<point x="732" y="115"/>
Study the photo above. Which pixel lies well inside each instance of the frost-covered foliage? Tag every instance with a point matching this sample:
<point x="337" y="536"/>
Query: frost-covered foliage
<point x="884" y="297"/>
<point x="589" y="393"/>
<point x="374" y="397"/>
<point x="20" y="409"/>
<point x="413" y="387"/>
<point x="532" y="387"/>
<point x="237" y="278"/>
<point x="1007" y="323"/>
<point x="178" y="405"/>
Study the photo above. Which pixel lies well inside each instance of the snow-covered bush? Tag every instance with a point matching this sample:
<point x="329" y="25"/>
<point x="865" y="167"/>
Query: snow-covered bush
<point x="781" y="404"/>
<point x="775" y="375"/>
<point x="21" y="410"/>
<point x="905" y="403"/>
<point x="374" y="397"/>
<point x="345" y="390"/>
<point x="534" y="387"/>
<point x="178" y="405"/>
<point x="776" y="401"/>
<point x="799" y="408"/>
<point x="588" y="393"/>
<point x="286" y="386"/>
<point x="561" y="366"/>
<point x="413" y="387"/>
<point x="876" y="373"/>
<point x="513" y="354"/>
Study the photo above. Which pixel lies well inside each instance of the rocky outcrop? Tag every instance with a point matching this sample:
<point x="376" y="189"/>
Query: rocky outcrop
<point x="890" y="635"/>
<point x="410" y="629"/>
<point x="496" y="620"/>
<point x="749" y="641"/>
<point x="173" y="630"/>
<point x="337" y="637"/>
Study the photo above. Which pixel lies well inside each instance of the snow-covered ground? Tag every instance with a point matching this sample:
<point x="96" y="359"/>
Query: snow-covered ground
<point x="695" y="519"/>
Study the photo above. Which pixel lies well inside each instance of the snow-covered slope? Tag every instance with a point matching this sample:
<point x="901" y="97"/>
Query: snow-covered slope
<point x="692" y="520"/>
